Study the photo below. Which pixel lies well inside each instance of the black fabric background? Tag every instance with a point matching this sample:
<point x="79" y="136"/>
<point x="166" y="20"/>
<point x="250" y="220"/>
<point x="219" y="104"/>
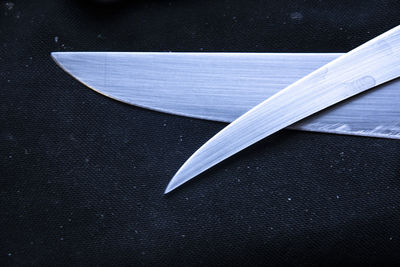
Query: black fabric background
<point x="82" y="176"/>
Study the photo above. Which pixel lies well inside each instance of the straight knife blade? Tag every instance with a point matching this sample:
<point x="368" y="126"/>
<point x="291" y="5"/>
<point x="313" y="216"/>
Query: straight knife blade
<point x="223" y="86"/>
<point x="371" y="64"/>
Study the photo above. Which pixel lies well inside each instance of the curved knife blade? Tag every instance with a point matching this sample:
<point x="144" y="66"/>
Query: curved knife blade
<point x="223" y="86"/>
<point x="368" y="65"/>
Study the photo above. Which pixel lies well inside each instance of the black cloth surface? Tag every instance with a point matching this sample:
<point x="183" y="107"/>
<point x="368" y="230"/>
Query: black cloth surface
<point x="82" y="176"/>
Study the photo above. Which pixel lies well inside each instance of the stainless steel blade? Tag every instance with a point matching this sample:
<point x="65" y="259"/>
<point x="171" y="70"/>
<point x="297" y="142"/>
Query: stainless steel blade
<point x="223" y="86"/>
<point x="369" y="65"/>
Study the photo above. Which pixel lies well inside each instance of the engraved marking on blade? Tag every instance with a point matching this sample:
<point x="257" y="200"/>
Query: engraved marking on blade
<point x="363" y="83"/>
<point x="358" y="85"/>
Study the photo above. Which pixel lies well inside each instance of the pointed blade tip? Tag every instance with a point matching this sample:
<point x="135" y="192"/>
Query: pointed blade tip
<point x="177" y="180"/>
<point x="169" y="188"/>
<point x="53" y="55"/>
<point x="172" y="185"/>
<point x="56" y="56"/>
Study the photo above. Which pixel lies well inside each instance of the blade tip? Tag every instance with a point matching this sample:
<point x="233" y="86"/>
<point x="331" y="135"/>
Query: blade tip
<point x="167" y="190"/>
<point x="171" y="186"/>
<point x="175" y="182"/>
<point x="55" y="56"/>
<point x="183" y="175"/>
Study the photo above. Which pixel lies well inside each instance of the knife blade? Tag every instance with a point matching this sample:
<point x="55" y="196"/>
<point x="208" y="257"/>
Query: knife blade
<point x="371" y="64"/>
<point x="223" y="86"/>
